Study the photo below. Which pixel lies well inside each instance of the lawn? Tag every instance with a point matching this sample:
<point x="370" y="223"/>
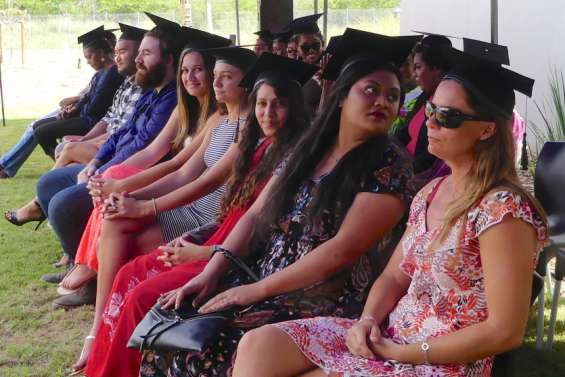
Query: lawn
<point x="39" y="341"/>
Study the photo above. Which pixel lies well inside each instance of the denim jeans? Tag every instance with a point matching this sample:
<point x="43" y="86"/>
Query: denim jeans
<point x="13" y="160"/>
<point x="67" y="205"/>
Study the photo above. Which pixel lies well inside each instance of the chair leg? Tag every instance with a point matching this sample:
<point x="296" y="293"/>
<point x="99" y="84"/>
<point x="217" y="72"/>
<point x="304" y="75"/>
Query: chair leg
<point x="539" y="321"/>
<point x="553" y="316"/>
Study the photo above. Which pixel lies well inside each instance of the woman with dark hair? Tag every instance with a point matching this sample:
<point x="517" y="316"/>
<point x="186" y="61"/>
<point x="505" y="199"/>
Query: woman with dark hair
<point x="311" y="241"/>
<point x="78" y="118"/>
<point x="78" y="113"/>
<point x="274" y="128"/>
<point x="457" y="289"/>
<point x="429" y="66"/>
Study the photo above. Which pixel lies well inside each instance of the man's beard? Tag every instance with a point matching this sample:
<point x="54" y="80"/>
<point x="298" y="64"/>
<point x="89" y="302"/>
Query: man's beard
<point x="150" y="78"/>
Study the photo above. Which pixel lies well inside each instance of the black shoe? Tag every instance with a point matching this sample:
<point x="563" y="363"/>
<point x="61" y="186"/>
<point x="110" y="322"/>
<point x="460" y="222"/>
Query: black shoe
<point x="12" y="217"/>
<point x="54" y="278"/>
<point x="86" y="295"/>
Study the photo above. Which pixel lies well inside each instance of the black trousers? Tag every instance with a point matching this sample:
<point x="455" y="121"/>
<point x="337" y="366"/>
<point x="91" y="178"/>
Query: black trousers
<point x="47" y="131"/>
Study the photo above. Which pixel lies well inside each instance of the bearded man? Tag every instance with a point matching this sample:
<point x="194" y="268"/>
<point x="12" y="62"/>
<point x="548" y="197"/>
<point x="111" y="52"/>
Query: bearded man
<point x="62" y="193"/>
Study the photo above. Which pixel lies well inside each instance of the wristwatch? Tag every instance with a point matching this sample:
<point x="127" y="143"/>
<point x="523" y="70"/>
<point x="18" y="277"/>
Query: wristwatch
<point x="424" y="346"/>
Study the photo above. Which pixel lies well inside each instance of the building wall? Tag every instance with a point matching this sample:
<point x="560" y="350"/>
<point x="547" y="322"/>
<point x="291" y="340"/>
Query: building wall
<point x="534" y="32"/>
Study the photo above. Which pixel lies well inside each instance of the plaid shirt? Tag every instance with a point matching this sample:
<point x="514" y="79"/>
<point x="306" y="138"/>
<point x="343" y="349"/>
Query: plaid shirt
<point x="123" y="105"/>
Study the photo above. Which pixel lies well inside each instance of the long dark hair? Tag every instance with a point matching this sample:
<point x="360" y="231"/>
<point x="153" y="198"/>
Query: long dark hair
<point x="338" y="189"/>
<point x="192" y="115"/>
<point x="241" y="184"/>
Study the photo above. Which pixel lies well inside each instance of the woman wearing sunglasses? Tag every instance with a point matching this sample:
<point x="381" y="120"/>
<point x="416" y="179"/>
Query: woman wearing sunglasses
<point x="456" y="291"/>
<point x="429" y="66"/>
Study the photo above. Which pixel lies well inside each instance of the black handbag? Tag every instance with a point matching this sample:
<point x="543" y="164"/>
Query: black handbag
<point x="184" y="329"/>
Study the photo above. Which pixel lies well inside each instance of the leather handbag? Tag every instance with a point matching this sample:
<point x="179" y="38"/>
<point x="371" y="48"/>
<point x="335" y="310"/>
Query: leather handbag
<point x="185" y="329"/>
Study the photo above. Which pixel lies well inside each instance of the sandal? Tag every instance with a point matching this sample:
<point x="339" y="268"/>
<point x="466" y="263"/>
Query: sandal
<point x="63" y="262"/>
<point x="63" y="291"/>
<point x="80" y="365"/>
<point x="12" y="217"/>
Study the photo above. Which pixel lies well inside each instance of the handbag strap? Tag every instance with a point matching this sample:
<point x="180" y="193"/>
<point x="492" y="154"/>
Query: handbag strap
<point x="149" y="343"/>
<point x="234" y="260"/>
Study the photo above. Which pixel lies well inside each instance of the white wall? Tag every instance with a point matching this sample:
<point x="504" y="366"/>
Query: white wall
<point x="533" y="30"/>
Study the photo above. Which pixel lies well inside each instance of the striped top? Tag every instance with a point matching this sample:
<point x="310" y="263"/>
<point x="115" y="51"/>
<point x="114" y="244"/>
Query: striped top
<point x="204" y="210"/>
<point x="222" y="137"/>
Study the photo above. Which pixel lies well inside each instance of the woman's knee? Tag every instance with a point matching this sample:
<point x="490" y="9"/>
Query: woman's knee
<point x="258" y="339"/>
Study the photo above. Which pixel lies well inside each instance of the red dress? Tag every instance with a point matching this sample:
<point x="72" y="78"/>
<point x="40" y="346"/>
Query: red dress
<point x="87" y="249"/>
<point x="137" y="287"/>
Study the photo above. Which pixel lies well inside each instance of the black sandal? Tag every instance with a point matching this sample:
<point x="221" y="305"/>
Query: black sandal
<point x="12" y="217"/>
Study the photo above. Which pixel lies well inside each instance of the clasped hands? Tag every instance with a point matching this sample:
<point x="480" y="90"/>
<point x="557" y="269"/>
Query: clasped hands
<point x="364" y="339"/>
<point x="123" y="206"/>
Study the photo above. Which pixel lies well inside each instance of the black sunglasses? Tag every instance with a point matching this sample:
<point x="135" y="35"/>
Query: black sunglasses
<point x="305" y="47"/>
<point x="450" y="118"/>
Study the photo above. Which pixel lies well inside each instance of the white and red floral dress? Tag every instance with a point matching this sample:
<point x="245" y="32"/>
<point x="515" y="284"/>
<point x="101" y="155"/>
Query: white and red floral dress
<point x="446" y="292"/>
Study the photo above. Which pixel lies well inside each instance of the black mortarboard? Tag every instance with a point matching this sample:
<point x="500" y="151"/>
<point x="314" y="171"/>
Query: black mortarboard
<point x="199" y="39"/>
<point x="489" y="51"/>
<point x="282" y="36"/>
<point x="265" y="35"/>
<point x="362" y="43"/>
<point x="92" y="35"/>
<point x="333" y="43"/>
<point x="131" y="33"/>
<point x="240" y="57"/>
<point x="270" y="64"/>
<point x="166" y="26"/>
<point x="479" y="70"/>
<point x="304" y="25"/>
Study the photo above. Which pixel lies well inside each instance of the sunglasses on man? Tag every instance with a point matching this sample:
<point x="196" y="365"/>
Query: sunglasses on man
<point x="450" y="118"/>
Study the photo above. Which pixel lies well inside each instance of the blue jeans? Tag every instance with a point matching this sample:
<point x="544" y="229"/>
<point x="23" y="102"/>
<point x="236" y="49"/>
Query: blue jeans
<point x="13" y="160"/>
<point x="67" y="205"/>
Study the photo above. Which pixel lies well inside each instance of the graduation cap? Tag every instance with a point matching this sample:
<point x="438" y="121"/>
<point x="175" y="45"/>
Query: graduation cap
<point x="480" y="71"/>
<point x="304" y="25"/>
<point x="356" y="43"/>
<point x="265" y="35"/>
<point x="131" y="33"/>
<point x="240" y="57"/>
<point x="166" y="26"/>
<point x="489" y="51"/>
<point x="93" y="35"/>
<point x="333" y="43"/>
<point x="199" y="39"/>
<point x="274" y="65"/>
<point x="282" y="36"/>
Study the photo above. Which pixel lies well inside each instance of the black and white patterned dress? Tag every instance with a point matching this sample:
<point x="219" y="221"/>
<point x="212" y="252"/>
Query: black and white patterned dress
<point x="177" y="221"/>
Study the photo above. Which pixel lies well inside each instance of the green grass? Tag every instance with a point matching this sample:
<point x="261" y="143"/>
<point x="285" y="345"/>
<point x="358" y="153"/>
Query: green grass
<point x="36" y="340"/>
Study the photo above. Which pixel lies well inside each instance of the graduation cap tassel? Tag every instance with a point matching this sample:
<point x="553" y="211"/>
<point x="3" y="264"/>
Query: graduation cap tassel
<point x="524" y="156"/>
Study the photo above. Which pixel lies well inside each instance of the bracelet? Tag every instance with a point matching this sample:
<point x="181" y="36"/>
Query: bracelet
<point x="154" y="207"/>
<point x="425" y="347"/>
<point x="368" y="318"/>
<point x="218" y="249"/>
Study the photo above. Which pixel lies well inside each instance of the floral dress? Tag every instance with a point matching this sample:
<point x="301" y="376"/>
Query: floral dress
<point x="342" y="295"/>
<point x="446" y="293"/>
